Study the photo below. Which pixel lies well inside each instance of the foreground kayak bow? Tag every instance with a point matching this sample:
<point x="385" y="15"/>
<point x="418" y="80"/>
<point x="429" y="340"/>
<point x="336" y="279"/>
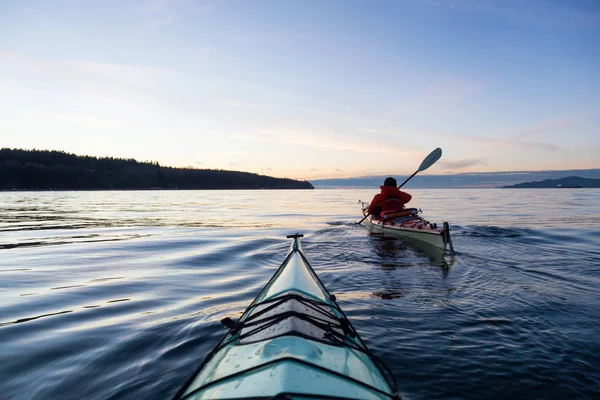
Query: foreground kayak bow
<point x="292" y="342"/>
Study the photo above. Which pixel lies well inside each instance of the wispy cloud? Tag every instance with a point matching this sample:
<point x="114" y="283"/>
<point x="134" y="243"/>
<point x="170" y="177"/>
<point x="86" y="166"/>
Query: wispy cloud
<point x="520" y="139"/>
<point x="461" y="164"/>
<point x="506" y="143"/>
<point x="553" y="124"/>
<point x="161" y="12"/>
<point x="122" y="88"/>
<point x="327" y="140"/>
<point x="63" y="119"/>
<point x="369" y="130"/>
<point x="444" y="96"/>
<point x="513" y="143"/>
<point x="250" y="105"/>
<point x="227" y="153"/>
<point x="123" y="73"/>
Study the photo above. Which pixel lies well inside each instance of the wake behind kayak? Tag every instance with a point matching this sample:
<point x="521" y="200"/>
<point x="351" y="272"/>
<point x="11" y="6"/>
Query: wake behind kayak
<point x="292" y="342"/>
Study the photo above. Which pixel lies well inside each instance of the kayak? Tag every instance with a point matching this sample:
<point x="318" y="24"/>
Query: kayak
<point x="413" y="228"/>
<point x="292" y="342"/>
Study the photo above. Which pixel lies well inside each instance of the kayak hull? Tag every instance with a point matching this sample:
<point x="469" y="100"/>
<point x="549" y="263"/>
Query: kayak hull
<point x="413" y="229"/>
<point x="430" y="237"/>
<point x="294" y="340"/>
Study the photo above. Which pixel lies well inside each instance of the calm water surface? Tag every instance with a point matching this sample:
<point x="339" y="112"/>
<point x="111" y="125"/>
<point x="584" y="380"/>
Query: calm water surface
<point x="119" y="294"/>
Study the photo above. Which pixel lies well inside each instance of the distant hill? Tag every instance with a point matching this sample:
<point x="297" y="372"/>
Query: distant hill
<point x="455" y="181"/>
<point x="57" y="170"/>
<point x="552" y="183"/>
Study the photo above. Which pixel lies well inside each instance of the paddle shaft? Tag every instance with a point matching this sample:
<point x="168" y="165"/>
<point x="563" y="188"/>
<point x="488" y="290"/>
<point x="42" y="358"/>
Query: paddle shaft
<point x="409" y="178"/>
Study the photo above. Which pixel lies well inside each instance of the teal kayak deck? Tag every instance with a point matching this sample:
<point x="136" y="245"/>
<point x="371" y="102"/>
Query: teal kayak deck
<point x="293" y="341"/>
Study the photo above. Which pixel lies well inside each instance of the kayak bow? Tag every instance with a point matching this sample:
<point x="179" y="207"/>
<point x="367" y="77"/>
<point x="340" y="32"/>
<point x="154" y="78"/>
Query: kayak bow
<point x="292" y="342"/>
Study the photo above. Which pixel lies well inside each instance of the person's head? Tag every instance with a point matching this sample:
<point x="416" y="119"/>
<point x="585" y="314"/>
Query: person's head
<point x="390" y="182"/>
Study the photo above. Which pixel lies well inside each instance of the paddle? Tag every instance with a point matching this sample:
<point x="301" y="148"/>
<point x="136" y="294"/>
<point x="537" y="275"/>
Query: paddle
<point x="427" y="162"/>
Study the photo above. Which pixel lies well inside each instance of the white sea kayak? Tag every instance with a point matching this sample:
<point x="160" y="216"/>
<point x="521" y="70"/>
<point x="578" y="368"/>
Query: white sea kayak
<point x="292" y="342"/>
<point x="409" y="225"/>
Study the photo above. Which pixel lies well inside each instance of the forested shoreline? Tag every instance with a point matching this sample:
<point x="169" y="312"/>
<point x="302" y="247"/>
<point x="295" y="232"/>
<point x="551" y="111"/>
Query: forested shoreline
<point x="57" y="170"/>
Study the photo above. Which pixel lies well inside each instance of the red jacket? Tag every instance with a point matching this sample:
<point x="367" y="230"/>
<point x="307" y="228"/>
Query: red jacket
<point x="388" y="192"/>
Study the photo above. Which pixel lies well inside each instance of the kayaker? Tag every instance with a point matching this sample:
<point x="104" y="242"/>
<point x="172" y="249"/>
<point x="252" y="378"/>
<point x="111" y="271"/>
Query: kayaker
<point x="390" y="199"/>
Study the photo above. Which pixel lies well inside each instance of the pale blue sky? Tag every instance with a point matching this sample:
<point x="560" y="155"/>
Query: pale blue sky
<point x="306" y="89"/>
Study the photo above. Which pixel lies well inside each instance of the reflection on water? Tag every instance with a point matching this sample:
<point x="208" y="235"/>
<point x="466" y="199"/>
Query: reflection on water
<point x="120" y="294"/>
<point x="389" y="248"/>
<point x="21" y="320"/>
<point x="389" y="294"/>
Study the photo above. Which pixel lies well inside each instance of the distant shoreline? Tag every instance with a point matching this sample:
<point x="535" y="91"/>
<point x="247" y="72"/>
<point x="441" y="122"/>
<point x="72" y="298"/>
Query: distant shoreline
<point x="420" y="189"/>
<point x="570" y="182"/>
<point x="143" y="190"/>
<point x="37" y="170"/>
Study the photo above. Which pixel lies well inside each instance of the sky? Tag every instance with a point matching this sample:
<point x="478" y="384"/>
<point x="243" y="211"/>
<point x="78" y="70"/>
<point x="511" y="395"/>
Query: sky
<point x="306" y="89"/>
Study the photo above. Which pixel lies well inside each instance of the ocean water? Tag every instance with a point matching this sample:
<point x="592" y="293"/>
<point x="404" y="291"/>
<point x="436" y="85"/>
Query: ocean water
<point x="118" y="295"/>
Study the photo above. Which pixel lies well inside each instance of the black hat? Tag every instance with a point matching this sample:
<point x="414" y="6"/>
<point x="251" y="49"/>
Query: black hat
<point x="390" y="182"/>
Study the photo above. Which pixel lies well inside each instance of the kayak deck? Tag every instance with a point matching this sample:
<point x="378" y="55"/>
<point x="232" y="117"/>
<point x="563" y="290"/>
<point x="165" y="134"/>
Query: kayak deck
<point x="293" y="341"/>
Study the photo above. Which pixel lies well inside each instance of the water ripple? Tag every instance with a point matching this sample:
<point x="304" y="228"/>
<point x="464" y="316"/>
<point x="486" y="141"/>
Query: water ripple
<point x="118" y="295"/>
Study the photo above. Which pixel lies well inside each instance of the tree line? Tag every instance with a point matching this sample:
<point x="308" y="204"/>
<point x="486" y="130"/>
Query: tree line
<point x="57" y="170"/>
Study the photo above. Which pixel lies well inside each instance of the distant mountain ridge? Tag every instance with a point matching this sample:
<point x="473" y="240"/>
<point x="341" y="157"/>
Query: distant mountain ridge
<point x="569" y="181"/>
<point x="455" y="181"/>
<point x="57" y="170"/>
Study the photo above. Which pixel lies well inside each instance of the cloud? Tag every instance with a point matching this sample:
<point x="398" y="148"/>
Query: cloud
<point x="227" y="153"/>
<point x="123" y="74"/>
<point x="521" y="144"/>
<point x="162" y="12"/>
<point x="330" y="140"/>
<point x="236" y="104"/>
<point x="370" y="130"/>
<point x="460" y="164"/>
<point x="548" y="126"/>
<point x="243" y="104"/>
<point x="443" y="96"/>
<point x="124" y="89"/>
<point x="63" y="119"/>
<point x="503" y="143"/>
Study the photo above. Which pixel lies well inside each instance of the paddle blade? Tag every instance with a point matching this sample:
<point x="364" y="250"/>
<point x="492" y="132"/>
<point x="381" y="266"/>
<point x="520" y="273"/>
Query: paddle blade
<point x="430" y="159"/>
